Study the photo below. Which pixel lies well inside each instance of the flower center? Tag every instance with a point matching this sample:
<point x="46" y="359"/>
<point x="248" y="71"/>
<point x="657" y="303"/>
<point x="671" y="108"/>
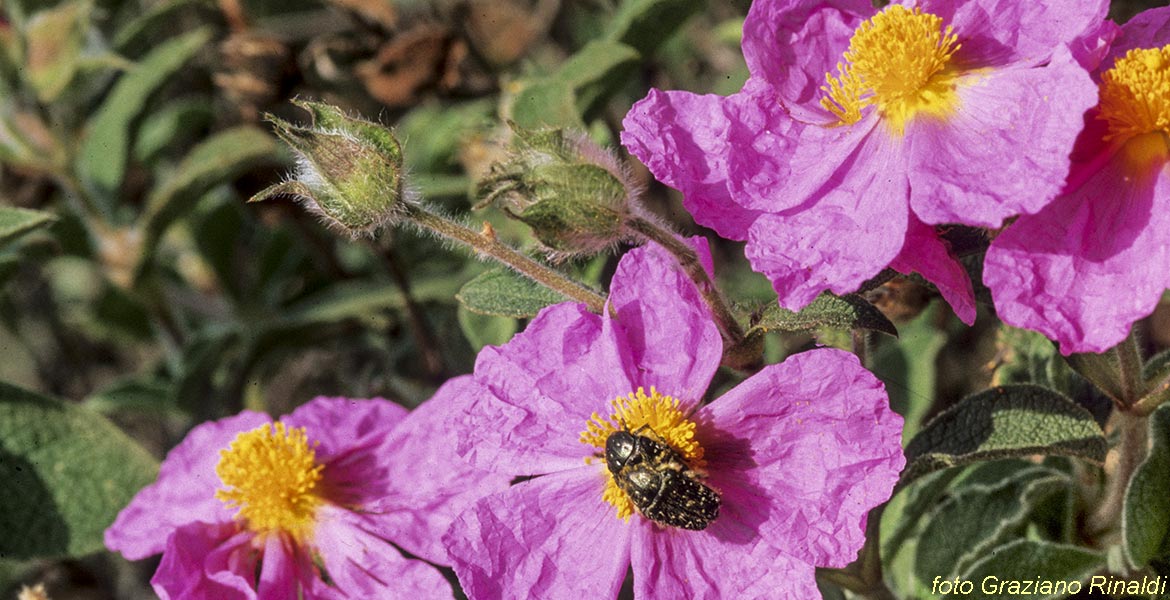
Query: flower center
<point x="637" y="412"/>
<point x="271" y="474"/>
<point x="896" y="60"/>
<point x="1135" y="103"/>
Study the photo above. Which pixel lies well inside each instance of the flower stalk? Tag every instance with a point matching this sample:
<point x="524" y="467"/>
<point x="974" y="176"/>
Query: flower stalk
<point x="487" y="244"/>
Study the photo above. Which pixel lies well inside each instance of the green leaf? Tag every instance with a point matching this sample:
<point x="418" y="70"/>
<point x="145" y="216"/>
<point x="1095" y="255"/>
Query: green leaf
<point x="1147" y="500"/>
<point x="485" y="330"/>
<point x="834" y="312"/>
<point x="503" y="293"/>
<point x="15" y="222"/>
<point x="101" y="161"/>
<point x="907" y="508"/>
<point x="171" y="124"/>
<point x="645" y="24"/>
<point x="1004" y="422"/>
<point x="581" y="84"/>
<point x="140" y="395"/>
<point x="979" y="517"/>
<point x="1030" y="560"/>
<point x="68" y="472"/>
<point x="54" y="38"/>
<point x="219" y="159"/>
<point x="909" y="368"/>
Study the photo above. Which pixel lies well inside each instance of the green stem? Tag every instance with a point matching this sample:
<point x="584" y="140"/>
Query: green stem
<point x="1151" y="401"/>
<point x="729" y="326"/>
<point x="1124" y="458"/>
<point x="487" y="244"/>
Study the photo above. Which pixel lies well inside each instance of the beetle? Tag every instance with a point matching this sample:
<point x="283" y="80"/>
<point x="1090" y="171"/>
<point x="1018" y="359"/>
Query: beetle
<point x="658" y="480"/>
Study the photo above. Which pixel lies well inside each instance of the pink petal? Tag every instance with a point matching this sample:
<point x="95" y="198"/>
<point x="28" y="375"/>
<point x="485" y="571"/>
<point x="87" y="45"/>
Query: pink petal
<point x="1148" y="29"/>
<point x="1088" y="266"/>
<point x="803" y="450"/>
<point x="361" y="564"/>
<point x="536" y="393"/>
<point x="926" y="254"/>
<point x="1006" y="150"/>
<point x="763" y="159"/>
<point x="684" y="140"/>
<point x="206" y="561"/>
<point x="549" y="537"/>
<point x="847" y="234"/>
<point x="718" y="562"/>
<point x="278" y="570"/>
<point x="665" y="330"/>
<point x="184" y="492"/>
<point x="791" y="44"/>
<point x="430" y="483"/>
<point x="1000" y="32"/>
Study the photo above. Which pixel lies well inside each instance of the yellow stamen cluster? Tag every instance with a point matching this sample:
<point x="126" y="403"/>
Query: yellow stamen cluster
<point x="1135" y="94"/>
<point x="271" y="474"/>
<point x="656" y="413"/>
<point x="898" y="61"/>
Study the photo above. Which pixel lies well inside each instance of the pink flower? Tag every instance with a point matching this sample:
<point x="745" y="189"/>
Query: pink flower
<point x="310" y="506"/>
<point x="1082" y="270"/>
<point x="782" y="469"/>
<point x="859" y="129"/>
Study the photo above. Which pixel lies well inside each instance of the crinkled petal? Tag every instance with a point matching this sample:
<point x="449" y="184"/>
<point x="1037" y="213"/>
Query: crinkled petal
<point x="803" y="450"/>
<point x="206" y="561"/>
<point x="684" y="139"/>
<point x="1005" y="150"/>
<point x="722" y="561"/>
<point x="278" y="570"/>
<point x="1001" y="32"/>
<point x="549" y="537"/>
<point x="361" y="564"/>
<point x="924" y="253"/>
<point x="184" y="492"/>
<point x="346" y="432"/>
<point x="665" y="330"/>
<point x="1148" y="29"/>
<point x="536" y="393"/>
<point x="763" y="159"/>
<point x="791" y="44"/>
<point x="1088" y="266"/>
<point x="431" y="483"/>
<point x="846" y="235"/>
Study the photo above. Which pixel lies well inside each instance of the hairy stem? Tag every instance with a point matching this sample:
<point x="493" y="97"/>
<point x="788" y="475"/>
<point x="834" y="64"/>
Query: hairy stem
<point x="1124" y="459"/>
<point x="488" y="245"/>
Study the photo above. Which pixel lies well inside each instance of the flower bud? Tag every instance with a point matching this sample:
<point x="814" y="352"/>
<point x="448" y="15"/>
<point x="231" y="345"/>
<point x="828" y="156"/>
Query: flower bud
<point x="574" y="195"/>
<point x="349" y="171"/>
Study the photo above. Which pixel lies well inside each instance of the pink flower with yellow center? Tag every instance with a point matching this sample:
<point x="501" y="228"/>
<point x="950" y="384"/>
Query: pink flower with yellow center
<point x="315" y="505"/>
<point x="624" y="467"/>
<point x="1082" y="270"/>
<point x="860" y="129"/>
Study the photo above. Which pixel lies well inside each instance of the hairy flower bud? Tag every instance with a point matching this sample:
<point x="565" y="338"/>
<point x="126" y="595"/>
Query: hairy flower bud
<point x="349" y="171"/>
<point x="575" y="196"/>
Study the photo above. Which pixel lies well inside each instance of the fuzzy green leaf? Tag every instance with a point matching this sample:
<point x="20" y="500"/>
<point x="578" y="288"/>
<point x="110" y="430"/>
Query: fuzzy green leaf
<point x="1028" y="560"/>
<point x="1147" y="500"/>
<point x="581" y="84"/>
<point x="978" y="518"/>
<point x="101" y="161"/>
<point x="15" y="222"/>
<point x="1004" y="422"/>
<point x="503" y="293"/>
<point x="67" y="472"/>
<point x="834" y="312"/>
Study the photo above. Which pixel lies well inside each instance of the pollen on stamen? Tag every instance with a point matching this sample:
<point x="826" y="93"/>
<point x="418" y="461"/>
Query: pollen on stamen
<point x="1135" y="94"/>
<point x="655" y="413"/>
<point x="898" y="61"/>
<point x="271" y="475"/>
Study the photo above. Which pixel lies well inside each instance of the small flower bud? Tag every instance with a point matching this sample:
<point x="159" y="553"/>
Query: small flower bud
<point x="349" y="171"/>
<point x="574" y="195"/>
